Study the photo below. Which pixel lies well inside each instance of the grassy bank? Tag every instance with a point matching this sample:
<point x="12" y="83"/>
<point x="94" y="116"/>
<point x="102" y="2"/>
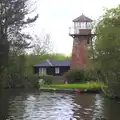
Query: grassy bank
<point x="90" y="85"/>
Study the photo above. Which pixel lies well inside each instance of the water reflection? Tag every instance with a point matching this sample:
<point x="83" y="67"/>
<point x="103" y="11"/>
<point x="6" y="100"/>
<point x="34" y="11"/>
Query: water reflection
<point x="98" y="106"/>
<point x="112" y="109"/>
<point x="51" y="106"/>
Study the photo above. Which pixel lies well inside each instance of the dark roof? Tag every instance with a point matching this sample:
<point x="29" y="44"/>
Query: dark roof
<point x="53" y="63"/>
<point x="82" y="18"/>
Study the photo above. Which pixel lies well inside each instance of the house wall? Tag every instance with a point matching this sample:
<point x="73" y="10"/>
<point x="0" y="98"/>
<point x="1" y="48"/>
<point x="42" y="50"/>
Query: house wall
<point x="36" y="69"/>
<point x="51" y="70"/>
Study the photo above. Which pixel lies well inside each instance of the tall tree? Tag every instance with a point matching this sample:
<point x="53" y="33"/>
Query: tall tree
<point x="107" y="47"/>
<point x="12" y="20"/>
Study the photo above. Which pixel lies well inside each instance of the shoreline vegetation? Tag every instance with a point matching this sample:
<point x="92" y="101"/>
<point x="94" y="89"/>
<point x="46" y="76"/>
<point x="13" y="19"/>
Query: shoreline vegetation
<point x="82" y="86"/>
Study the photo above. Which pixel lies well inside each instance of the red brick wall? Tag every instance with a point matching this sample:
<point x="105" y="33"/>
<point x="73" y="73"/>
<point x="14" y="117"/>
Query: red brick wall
<point x="79" y="53"/>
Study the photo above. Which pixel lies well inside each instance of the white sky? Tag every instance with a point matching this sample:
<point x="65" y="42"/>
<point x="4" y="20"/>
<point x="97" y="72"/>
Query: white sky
<point x="55" y="17"/>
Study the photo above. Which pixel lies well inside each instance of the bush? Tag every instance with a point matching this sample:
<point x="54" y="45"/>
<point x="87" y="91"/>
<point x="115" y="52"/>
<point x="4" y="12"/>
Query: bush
<point x="90" y="75"/>
<point x="80" y="75"/>
<point x="32" y="81"/>
<point x="48" y="79"/>
<point x="75" y="76"/>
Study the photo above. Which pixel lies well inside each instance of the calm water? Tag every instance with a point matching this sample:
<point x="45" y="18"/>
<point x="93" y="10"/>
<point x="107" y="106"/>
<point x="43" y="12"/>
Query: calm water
<point x="55" y="106"/>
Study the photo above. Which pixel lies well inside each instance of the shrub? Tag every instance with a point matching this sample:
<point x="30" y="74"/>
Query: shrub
<point x="90" y="75"/>
<point x="75" y="76"/>
<point x="32" y="81"/>
<point x="80" y="75"/>
<point x="48" y="79"/>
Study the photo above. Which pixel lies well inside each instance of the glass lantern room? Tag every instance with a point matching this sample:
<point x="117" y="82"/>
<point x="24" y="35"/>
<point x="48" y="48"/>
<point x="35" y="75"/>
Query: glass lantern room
<point x="82" y="22"/>
<point x="82" y="25"/>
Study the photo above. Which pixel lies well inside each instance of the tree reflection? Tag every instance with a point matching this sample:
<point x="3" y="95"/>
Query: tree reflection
<point x="111" y="109"/>
<point x="12" y="105"/>
<point x="84" y="106"/>
<point x="4" y="105"/>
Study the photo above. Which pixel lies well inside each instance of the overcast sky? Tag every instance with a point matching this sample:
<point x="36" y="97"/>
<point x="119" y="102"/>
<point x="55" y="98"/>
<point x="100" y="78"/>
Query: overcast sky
<point x="55" y="17"/>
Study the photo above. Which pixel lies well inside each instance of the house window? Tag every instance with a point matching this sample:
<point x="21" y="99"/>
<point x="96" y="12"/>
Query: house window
<point x="57" y="70"/>
<point x="42" y="71"/>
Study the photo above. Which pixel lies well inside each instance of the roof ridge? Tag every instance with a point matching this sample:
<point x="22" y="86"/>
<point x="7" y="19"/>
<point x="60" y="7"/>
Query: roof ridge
<point x="48" y="61"/>
<point x="54" y="63"/>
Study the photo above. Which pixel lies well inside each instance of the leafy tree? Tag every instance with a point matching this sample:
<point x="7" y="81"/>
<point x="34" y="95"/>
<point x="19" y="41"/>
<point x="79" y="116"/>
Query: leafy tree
<point x="107" y="48"/>
<point x="13" y="15"/>
<point x="15" y="71"/>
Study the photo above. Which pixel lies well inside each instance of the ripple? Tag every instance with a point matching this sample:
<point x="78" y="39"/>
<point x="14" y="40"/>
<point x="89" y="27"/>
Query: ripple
<point x="55" y="106"/>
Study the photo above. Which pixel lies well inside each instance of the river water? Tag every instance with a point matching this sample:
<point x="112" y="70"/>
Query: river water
<point x="57" y="106"/>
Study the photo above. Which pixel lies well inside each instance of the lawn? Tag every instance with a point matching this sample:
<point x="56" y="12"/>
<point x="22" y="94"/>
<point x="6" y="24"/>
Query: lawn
<point x="88" y="85"/>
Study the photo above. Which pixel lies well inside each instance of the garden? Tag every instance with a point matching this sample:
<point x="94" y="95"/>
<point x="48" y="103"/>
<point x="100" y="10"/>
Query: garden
<point x="75" y="79"/>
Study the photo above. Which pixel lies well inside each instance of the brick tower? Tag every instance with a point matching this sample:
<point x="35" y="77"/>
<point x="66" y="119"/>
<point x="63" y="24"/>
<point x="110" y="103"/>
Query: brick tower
<point x="81" y="33"/>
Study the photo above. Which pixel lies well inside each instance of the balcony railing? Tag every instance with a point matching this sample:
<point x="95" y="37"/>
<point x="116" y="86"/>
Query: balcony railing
<point x="73" y="30"/>
<point x="79" y="31"/>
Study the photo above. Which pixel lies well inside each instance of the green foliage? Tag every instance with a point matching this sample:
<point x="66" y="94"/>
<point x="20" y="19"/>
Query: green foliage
<point x="14" y="72"/>
<point x="75" y="75"/>
<point x="90" y="75"/>
<point x="32" y="81"/>
<point x="107" y="47"/>
<point x="107" y="44"/>
<point x="48" y="79"/>
<point x="13" y="41"/>
<point x="75" y="86"/>
<point x="30" y="61"/>
<point x="81" y="75"/>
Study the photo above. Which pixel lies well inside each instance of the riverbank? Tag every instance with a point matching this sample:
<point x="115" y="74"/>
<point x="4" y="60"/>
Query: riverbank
<point x="88" y="85"/>
<point x="91" y="87"/>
